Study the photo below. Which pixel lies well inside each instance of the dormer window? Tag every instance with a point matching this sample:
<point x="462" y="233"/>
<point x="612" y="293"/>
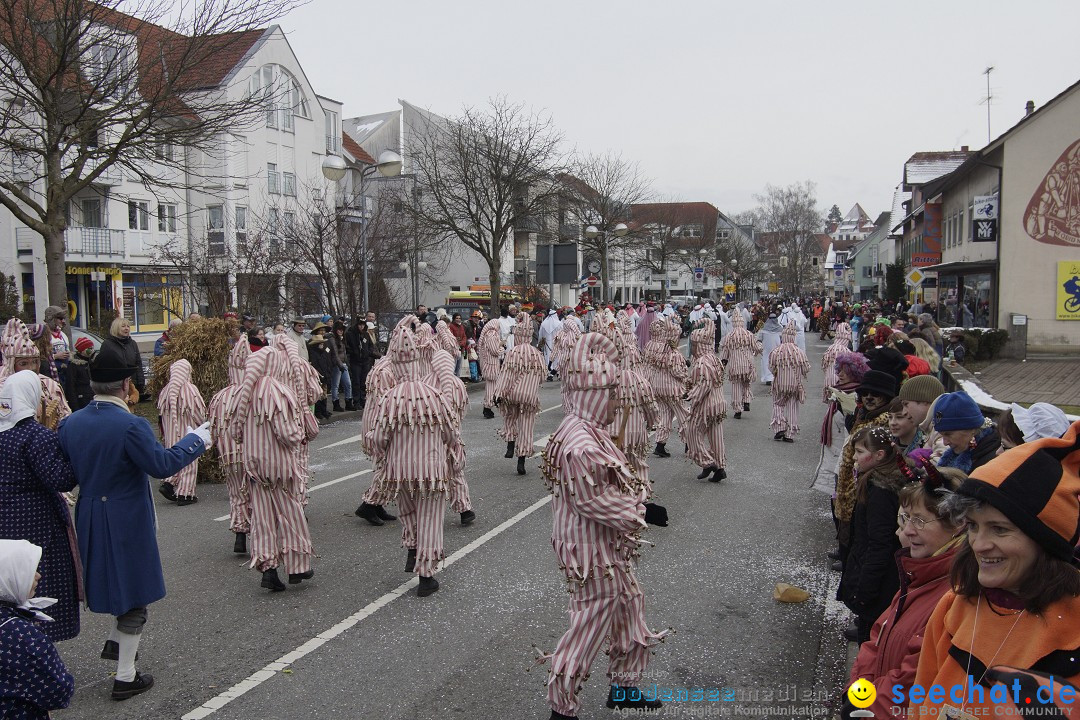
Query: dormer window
<point x="283" y="97"/>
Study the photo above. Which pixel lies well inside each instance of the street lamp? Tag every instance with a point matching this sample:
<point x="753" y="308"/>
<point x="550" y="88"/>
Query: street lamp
<point x="334" y="168"/>
<point x="418" y="265"/>
<point x="592" y="232"/>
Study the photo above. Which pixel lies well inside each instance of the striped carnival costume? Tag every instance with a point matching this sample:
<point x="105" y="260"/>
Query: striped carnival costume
<point x="267" y="421"/>
<point x="565" y="339"/>
<point x="453" y="389"/>
<point x="380" y="379"/>
<point x="708" y="407"/>
<point x="789" y="367"/>
<point x="490" y="349"/>
<point x="308" y="389"/>
<point x="228" y="449"/>
<point x="598" y="512"/>
<point x="842" y="344"/>
<point x="415" y="440"/>
<point x="737" y="351"/>
<point x="666" y="371"/>
<point x="518" y="390"/>
<point x="16" y="346"/>
<point x="180" y="406"/>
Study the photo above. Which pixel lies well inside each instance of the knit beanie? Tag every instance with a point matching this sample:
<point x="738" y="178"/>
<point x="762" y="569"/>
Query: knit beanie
<point x="957" y="411"/>
<point x="1035" y="485"/>
<point x="921" y="388"/>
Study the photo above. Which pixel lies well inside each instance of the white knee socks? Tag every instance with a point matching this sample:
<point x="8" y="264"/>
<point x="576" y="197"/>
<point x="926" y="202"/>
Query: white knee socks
<point x="125" y="666"/>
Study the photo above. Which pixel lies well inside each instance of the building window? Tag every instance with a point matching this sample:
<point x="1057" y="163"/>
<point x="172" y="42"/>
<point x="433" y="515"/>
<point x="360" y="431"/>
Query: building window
<point x="333" y="132"/>
<point x="241" y="224"/>
<point x="166" y="218"/>
<point x="282" y="96"/>
<point x="288" y="184"/>
<point x="215" y="230"/>
<point x="273" y="179"/>
<point x="164" y="151"/>
<point x="138" y="215"/>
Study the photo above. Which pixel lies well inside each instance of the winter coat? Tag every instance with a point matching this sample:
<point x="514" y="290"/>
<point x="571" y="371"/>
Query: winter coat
<point x="322" y="357"/>
<point x="458" y="331"/>
<point x="128" y="349"/>
<point x="78" y="389"/>
<point x="159" y="344"/>
<point x="32" y="476"/>
<point x="33" y="679"/>
<point x="892" y="654"/>
<point x="337" y="345"/>
<point x="870" y="576"/>
<point x="300" y="340"/>
<point x="369" y="348"/>
<point x="114" y="453"/>
<point x="353" y="350"/>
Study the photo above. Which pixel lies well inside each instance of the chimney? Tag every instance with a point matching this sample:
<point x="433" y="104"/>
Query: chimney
<point x="1029" y="108"/>
<point x="963" y="148"/>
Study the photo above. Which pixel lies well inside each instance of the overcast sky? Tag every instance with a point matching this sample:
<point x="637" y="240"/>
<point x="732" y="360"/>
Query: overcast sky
<point x="713" y="99"/>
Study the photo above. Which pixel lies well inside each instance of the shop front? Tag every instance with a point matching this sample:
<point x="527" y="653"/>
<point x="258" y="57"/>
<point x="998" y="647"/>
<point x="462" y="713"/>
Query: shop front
<point x="92" y="292"/>
<point x="150" y="300"/>
<point x="967" y="294"/>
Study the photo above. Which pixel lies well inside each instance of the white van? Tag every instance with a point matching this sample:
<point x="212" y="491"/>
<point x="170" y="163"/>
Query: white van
<point x="689" y="300"/>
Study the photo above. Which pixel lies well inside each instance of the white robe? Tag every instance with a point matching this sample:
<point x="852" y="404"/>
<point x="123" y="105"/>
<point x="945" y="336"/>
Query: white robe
<point x="548" y="328"/>
<point x="795" y="315"/>
<point x="769" y="342"/>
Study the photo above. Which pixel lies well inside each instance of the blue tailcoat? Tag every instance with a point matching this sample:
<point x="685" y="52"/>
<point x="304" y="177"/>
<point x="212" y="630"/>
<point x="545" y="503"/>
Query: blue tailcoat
<point x="112" y="453"/>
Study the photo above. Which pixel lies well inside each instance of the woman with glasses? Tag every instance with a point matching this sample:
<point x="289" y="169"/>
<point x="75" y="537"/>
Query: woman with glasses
<point x="930" y="539"/>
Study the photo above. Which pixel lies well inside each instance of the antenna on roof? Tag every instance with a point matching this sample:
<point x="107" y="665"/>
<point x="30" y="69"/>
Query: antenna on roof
<point x="989" y="97"/>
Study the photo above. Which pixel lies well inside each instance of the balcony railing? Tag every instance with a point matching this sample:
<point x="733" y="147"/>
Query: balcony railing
<point x="333" y="144"/>
<point x="94" y="242"/>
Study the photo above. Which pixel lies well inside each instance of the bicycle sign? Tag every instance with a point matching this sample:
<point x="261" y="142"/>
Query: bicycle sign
<point x="1068" y="294"/>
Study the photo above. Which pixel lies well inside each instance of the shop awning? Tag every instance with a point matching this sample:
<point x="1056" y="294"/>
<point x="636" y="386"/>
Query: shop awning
<point x="951" y="268"/>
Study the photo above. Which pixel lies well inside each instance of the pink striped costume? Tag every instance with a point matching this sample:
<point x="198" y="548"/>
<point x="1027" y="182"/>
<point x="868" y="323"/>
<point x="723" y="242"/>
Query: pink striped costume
<point x="180" y="406"/>
<point x="666" y="371"/>
<point x="380" y="381"/>
<point x="228" y="449"/>
<point x="738" y="348"/>
<point x="415" y="439"/>
<point x="789" y="367"/>
<point x="841" y="344"/>
<point x="453" y="389"/>
<point x="598" y="515"/>
<point x="15" y="343"/>
<point x="490" y="349"/>
<point x="565" y="339"/>
<point x="518" y="388"/>
<point x="708" y="406"/>
<point x="308" y="389"/>
<point x="267" y="421"/>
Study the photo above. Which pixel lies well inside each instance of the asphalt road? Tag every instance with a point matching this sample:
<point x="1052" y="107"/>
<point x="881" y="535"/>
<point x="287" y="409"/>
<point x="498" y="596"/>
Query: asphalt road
<point x="356" y="642"/>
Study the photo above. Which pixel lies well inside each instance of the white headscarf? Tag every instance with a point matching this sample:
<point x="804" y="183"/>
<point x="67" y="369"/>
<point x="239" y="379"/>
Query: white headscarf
<point x="18" y="562"/>
<point x="20" y="396"/>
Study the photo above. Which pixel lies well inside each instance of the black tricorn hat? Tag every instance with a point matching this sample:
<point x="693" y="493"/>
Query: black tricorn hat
<point x="110" y="365"/>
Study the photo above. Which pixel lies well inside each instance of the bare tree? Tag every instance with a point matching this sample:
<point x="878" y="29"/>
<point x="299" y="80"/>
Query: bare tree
<point x="739" y="254"/>
<point x="791" y="215"/>
<point x="657" y="229"/>
<point x="480" y="176"/>
<point x="87" y="87"/>
<point x="602" y="189"/>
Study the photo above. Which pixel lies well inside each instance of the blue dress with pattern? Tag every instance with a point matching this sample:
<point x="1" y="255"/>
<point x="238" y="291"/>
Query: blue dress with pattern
<point x="33" y="679"/>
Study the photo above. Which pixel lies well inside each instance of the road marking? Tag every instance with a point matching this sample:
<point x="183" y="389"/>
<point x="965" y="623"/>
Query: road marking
<point x="313" y="488"/>
<point x="346" y="441"/>
<point x="259" y="677"/>
<point x="553" y="407"/>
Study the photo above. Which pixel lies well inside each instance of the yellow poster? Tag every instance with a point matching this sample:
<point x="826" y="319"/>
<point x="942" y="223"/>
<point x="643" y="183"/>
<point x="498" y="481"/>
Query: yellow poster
<point x="729" y="288"/>
<point x="1068" y="294"/>
<point x="774" y="287"/>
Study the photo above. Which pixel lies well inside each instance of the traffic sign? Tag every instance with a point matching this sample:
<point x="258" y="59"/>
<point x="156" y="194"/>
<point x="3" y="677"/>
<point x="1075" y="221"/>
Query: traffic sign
<point x="699" y="273"/>
<point x="915" y="277"/>
<point x="593" y="280"/>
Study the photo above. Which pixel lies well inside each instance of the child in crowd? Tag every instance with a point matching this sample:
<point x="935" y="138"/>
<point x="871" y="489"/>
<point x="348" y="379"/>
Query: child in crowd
<point x="33" y="679"/>
<point x="903" y="428"/>
<point x="474" y="361"/>
<point x="870" y="577"/>
<point x="955" y="350"/>
<point x="78" y="389"/>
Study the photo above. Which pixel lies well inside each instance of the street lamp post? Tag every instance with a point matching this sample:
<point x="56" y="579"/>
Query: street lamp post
<point x="413" y="268"/>
<point x="592" y="232"/>
<point x="334" y="168"/>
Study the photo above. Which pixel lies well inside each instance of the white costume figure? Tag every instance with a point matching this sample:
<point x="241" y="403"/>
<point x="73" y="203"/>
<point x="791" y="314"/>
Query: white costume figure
<point x="769" y="337"/>
<point x="548" y="330"/>
<point x="793" y="315"/>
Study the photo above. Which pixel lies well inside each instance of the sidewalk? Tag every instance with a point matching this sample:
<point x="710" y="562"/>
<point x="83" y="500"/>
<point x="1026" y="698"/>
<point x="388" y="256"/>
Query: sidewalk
<point x="1052" y="381"/>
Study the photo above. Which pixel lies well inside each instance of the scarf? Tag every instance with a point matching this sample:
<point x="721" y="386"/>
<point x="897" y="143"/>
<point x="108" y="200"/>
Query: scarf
<point x="20" y="395"/>
<point x="18" y="562"/>
<point x="964" y="460"/>
<point x="771" y="325"/>
<point x="834" y="407"/>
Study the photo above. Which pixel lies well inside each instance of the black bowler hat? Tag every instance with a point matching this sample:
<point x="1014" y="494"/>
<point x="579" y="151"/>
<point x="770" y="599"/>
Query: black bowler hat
<point x="878" y="383"/>
<point x="110" y="365"/>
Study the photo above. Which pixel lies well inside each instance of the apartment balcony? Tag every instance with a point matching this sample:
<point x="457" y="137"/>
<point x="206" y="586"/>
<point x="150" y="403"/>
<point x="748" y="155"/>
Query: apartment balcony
<point x="333" y="145"/>
<point x="90" y="244"/>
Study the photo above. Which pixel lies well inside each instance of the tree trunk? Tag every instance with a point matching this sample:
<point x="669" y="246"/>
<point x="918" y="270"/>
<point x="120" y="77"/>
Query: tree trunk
<point x="56" y="293"/>
<point x="494" y="269"/>
<point x="604" y="277"/>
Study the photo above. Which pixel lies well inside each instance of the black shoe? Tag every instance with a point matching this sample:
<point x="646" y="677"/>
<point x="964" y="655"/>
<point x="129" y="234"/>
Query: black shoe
<point x="337" y="406"/>
<point x="746" y="407"/>
<point x="834" y="554"/>
<point x="123" y="690"/>
<point x="111" y="651"/>
<point x="509" y="449"/>
<point x="718" y="475"/>
<point x="295" y="578"/>
<point x="521" y="465"/>
<point x="656" y="514"/>
<point x="350" y="406"/>
<point x="661" y="451"/>
<point x="369" y="513"/>
<point x="240" y="543"/>
<point x="705" y="472"/>
<point x="788" y="439"/>
<point x="837" y="566"/>
<point x="410" y="560"/>
<point x="168" y="491"/>
<point x="778" y="435"/>
<point x="428" y="586"/>
<point x="560" y="716"/>
<point x="851" y="633"/>
<point x="467" y="518"/>
<point x="489" y="413"/>
<point x="271" y="581"/>
<point x="625" y="703"/>
<point x="738" y="415"/>
<point x="768" y="382"/>
<point x="383" y="514"/>
<point x="183" y="500"/>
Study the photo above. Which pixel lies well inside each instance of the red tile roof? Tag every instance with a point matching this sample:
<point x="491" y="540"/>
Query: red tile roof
<point x="353" y="148"/>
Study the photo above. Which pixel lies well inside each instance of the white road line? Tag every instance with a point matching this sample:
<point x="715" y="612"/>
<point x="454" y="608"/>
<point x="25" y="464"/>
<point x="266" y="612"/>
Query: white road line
<point x="346" y="441"/>
<point x="553" y="407"/>
<point x="258" y="678"/>
<point x="313" y="488"/>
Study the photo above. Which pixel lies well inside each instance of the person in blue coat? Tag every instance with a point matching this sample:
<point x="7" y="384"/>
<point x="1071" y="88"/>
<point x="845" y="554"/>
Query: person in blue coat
<point x="112" y="453"/>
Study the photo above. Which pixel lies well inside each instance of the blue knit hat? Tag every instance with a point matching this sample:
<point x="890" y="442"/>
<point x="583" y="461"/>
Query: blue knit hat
<point x="957" y="411"/>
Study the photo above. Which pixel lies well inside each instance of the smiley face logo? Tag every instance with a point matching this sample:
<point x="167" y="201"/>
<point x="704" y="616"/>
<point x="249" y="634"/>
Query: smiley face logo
<point x="862" y="693"/>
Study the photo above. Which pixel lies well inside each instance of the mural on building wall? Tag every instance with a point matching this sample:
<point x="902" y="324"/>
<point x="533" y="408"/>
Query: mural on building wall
<point x="1068" y="294"/>
<point x="929" y="250"/>
<point x="1053" y="214"/>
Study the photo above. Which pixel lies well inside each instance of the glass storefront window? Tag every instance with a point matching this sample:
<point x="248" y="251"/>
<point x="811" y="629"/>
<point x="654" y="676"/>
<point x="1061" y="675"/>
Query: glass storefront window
<point x="156" y="299"/>
<point x="965" y="300"/>
<point x="947" y="300"/>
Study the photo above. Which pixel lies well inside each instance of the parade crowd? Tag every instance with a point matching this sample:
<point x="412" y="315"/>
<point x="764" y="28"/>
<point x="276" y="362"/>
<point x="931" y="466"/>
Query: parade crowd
<point x="955" y="531"/>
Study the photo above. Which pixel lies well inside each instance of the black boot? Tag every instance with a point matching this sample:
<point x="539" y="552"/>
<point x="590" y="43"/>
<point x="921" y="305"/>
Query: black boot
<point x="778" y="435"/>
<point x="788" y="439"/>
<point x="738" y="415"/>
<point x="718" y="475"/>
<point x="369" y="513"/>
<point x="467" y="518"/>
<point x="630" y="698"/>
<point x="271" y="581"/>
<point x="833" y="554"/>
<point x="239" y="545"/>
<point x="521" y="465"/>
<point x="350" y="406"/>
<point x="428" y="586"/>
<point x="320" y="410"/>
<point x="509" y="449"/>
<point x="489" y="413"/>
<point x="705" y="472"/>
<point x="383" y="514"/>
<point x="168" y="491"/>
<point x="746" y="407"/>
<point x="410" y="560"/>
<point x="660" y="451"/>
<point x="559" y="716"/>
<point x="295" y="578"/>
<point x="337" y="406"/>
<point x="123" y="690"/>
